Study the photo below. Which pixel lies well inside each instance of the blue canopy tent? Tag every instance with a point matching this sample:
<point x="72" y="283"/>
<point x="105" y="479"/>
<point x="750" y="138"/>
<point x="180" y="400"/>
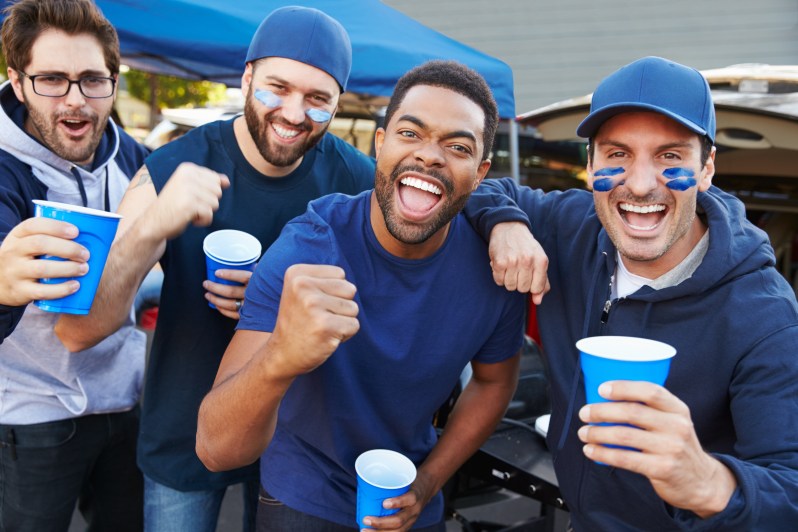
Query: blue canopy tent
<point x="208" y="39"/>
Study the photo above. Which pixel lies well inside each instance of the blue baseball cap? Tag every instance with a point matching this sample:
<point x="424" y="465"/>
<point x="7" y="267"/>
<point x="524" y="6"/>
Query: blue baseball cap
<point x="653" y="84"/>
<point x="306" y="35"/>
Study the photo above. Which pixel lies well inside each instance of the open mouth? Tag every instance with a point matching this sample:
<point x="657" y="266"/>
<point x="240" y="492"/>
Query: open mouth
<point x="642" y="217"/>
<point x="285" y="133"/>
<point x="419" y="196"/>
<point x="76" y="126"/>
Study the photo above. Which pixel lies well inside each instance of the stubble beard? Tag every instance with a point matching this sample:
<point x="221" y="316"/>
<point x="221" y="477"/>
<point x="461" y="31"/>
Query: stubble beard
<point x="410" y="233"/>
<point x="76" y="152"/>
<point x="279" y="156"/>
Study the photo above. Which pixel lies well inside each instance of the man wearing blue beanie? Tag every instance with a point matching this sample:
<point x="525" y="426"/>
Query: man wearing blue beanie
<point x="657" y="251"/>
<point x="252" y="173"/>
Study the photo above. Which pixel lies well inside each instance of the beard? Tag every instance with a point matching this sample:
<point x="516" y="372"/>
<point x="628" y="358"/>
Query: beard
<point x="412" y="233"/>
<point x="80" y="151"/>
<point x="272" y="153"/>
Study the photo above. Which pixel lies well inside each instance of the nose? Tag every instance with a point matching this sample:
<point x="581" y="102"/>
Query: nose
<point x="74" y="97"/>
<point x="430" y="154"/>
<point x="642" y="178"/>
<point x="293" y="109"/>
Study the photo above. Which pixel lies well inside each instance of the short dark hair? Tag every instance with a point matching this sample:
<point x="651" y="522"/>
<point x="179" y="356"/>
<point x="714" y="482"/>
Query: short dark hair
<point x="706" y="148"/>
<point x="455" y="77"/>
<point x="27" y="19"/>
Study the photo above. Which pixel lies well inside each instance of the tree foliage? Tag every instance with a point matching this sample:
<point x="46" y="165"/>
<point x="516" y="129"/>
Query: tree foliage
<point x="171" y="91"/>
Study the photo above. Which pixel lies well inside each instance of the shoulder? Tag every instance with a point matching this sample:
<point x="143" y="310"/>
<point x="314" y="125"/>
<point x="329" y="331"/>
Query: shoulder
<point x="194" y="147"/>
<point x="335" y="151"/>
<point x="18" y="187"/>
<point x="131" y="154"/>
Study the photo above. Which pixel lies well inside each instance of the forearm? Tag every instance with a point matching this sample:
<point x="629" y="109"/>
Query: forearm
<point x="477" y="412"/>
<point x="129" y="260"/>
<point x="237" y="418"/>
<point x="494" y="201"/>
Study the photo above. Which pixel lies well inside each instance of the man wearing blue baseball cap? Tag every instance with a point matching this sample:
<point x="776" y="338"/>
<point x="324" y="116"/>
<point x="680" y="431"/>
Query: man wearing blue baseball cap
<point x="252" y="173"/>
<point x="656" y="251"/>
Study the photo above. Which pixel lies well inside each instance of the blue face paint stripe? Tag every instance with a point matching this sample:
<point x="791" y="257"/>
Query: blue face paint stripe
<point x="679" y="178"/>
<point x="268" y="98"/>
<point x="272" y="101"/>
<point x="609" y="172"/>
<point x="607" y="181"/>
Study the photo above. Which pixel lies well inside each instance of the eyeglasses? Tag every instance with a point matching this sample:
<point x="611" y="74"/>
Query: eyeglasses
<point x="55" y="86"/>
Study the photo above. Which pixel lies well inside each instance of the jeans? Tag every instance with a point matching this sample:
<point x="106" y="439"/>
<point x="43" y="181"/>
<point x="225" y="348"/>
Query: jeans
<point x="170" y="510"/>
<point x="46" y="468"/>
<point x="274" y="516"/>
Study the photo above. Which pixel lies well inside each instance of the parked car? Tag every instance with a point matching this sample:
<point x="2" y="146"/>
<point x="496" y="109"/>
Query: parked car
<point x="757" y="148"/>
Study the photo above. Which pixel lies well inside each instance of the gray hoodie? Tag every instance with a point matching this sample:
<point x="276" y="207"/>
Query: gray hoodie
<point x="40" y="380"/>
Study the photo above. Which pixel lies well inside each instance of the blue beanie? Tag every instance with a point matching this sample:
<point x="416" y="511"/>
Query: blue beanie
<point x="306" y="35"/>
<point x="653" y="84"/>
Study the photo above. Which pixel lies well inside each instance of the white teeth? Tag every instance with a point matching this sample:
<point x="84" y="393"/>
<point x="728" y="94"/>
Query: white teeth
<point x="641" y="209"/>
<point x="73" y="121"/>
<point x="421" y="185"/>
<point x="285" y="133"/>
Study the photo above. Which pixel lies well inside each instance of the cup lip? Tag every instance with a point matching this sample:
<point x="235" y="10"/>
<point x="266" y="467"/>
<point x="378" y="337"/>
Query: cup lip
<point x="252" y="241"/>
<point x="626" y="348"/>
<point x="76" y="208"/>
<point x="407" y="465"/>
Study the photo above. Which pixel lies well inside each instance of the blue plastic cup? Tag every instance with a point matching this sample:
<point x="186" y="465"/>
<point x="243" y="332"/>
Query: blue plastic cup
<point x="626" y="358"/>
<point x="622" y="358"/>
<point x="97" y="230"/>
<point x="229" y="249"/>
<point x="381" y="474"/>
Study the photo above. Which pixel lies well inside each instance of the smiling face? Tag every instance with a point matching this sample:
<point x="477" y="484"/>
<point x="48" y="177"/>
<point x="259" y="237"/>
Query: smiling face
<point x="283" y="99"/>
<point x="72" y="125"/>
<point x="429" y="160"/>
<point x="646" y="173"/>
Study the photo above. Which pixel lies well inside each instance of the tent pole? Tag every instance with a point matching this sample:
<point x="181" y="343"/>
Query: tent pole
<point x="514" y="169"/>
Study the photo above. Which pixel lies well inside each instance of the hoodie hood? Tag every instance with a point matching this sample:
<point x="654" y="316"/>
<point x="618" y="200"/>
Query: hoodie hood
<point x="65" y="181"/>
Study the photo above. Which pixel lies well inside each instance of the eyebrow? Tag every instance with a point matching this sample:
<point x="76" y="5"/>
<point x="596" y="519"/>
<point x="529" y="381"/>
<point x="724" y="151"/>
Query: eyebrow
<point x="668" y="146"/>
<point x="281" y="81"/>
<point x="84" y="73"/>
<point x="450" y="135"/>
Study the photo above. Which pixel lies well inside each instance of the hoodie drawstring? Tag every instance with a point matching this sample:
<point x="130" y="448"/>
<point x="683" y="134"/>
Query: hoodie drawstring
<point x="83" y="197"/>
<point x="82" y="188"/>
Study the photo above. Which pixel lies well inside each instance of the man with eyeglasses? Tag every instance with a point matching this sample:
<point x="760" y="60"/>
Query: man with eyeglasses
<point x="68" y="421"/>
<point x="252" y="173"/>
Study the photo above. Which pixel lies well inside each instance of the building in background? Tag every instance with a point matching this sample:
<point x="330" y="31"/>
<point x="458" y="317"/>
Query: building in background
<point x="562" y="48"/>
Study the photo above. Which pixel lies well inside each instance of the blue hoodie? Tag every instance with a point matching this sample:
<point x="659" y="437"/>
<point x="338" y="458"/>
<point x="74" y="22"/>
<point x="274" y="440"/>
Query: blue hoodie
<point x="734" y="324"/>
<point x="40" y="381"/>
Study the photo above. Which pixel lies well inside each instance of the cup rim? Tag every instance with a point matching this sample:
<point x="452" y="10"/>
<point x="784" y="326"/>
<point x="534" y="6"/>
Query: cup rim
<point x="408" y="468"/>
<point x="249" y="240"/>
<point x="626" y="348"/>
<point x="76" y="208"/>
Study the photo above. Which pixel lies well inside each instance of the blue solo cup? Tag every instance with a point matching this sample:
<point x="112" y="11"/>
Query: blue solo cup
<point x="213" y="264"/>
<point x="381" y="474"/>
<point x="230" y="249"/>
<point x="97" y="230"/>
<point x="622" y="358"/>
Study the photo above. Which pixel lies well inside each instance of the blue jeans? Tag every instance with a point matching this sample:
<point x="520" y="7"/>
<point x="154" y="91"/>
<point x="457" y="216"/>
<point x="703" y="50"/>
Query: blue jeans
<point x="46" y="468"/>
<point x="171" y="510"/>
<point x="274" y="516"/>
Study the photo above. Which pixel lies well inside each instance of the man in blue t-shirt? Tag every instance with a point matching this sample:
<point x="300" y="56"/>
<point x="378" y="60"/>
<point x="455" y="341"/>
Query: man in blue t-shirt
<point x="360" y="319"/>
<point x="252" y="173"/>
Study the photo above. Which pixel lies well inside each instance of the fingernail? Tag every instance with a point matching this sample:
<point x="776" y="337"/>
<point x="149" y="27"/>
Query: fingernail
<point x="588" y="450"/>
<point x="582" y="433"/>
<point x="584" y="413"/>
<point x="605" y="390"/>
<point x="84" y="268"/>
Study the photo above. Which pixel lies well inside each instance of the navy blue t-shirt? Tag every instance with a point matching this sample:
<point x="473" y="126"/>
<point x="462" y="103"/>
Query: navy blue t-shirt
<point x="421" y="322"/>
<point x="190" y="337"/>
